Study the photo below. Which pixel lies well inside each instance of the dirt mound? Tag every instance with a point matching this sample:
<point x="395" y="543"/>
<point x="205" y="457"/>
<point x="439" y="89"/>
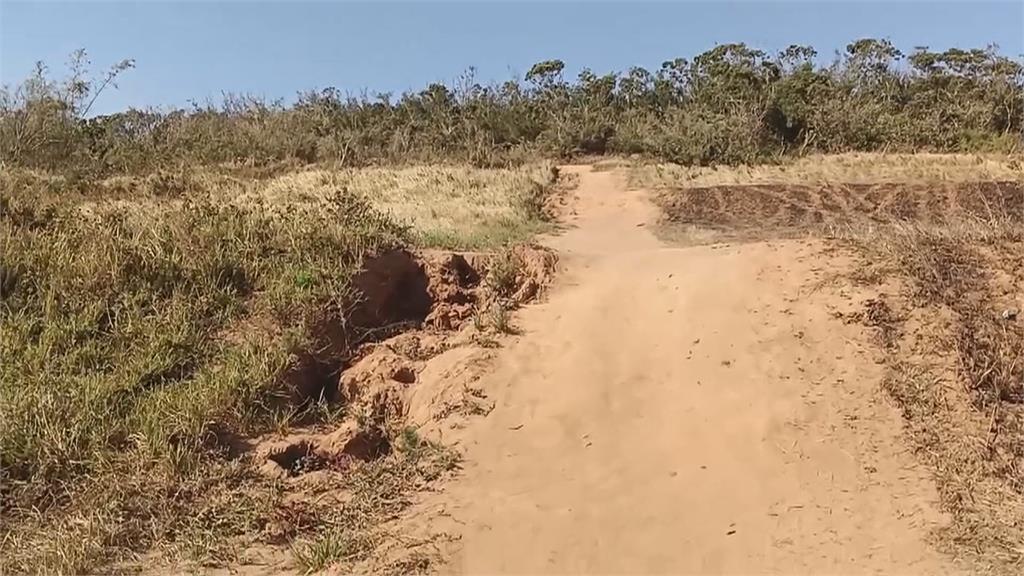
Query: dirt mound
<point x="299" y="454"/>
<point x="373" y="373"/>
<point x="442" y="289"/>
<point x="778" y="208"/>
<point x="399" y="291"/>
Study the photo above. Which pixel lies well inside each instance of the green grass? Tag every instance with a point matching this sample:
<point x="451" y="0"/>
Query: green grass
<point x="120" y="360"/>
<point x="325" y="550"/>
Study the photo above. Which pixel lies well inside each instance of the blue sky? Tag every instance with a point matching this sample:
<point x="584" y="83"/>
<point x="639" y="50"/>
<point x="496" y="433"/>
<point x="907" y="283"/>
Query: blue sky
<point x="195" y="50"/>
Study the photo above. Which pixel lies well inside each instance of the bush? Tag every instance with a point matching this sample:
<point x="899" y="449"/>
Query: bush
<point x="730" y="104"/>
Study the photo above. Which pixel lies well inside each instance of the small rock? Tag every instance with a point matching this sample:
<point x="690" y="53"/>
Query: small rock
<point x="1010" y="314"/>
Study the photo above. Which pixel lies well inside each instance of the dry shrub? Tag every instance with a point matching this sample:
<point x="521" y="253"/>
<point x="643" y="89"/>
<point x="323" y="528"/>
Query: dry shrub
<point x="730" y="104"/>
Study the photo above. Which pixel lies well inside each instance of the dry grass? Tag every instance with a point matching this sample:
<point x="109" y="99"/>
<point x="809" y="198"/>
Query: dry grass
<point x="852" y="168"/>
<point x="956" y="369"/>
<point x="446" y="207"/>
<point x="453" y="207"/>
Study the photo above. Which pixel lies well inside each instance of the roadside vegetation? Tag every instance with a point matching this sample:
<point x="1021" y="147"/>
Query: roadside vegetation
<point x="730" y="104"/>
<point x="954" y="344"/>
<point x="167" y="277"/>
<point x="151" y="323"/>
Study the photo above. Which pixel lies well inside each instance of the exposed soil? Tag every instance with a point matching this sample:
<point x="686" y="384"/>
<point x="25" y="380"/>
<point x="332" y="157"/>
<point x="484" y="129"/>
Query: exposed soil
<point x="723" y="408"/>
<point x="403" y="361"/>
<point x="380" y="378"/>
<point x="399" y="292"/>
<point x="744" y="210"/>
<point x="687" y="410"/>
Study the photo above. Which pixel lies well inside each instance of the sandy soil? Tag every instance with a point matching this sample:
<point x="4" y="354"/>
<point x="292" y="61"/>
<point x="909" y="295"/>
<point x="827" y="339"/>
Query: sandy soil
<point x="685" y="410"/>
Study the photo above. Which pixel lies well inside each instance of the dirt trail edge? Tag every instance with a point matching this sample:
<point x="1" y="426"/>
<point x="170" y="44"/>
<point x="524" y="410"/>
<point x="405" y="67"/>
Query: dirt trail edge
<point x="686" y="410"/>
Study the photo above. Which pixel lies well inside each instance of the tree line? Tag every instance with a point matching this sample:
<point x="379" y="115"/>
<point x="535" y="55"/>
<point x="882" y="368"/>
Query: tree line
<point x="731" y="104"/>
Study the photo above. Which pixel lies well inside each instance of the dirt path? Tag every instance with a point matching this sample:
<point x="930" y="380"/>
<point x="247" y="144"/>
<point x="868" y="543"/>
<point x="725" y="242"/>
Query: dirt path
<point x="686" y="410"/>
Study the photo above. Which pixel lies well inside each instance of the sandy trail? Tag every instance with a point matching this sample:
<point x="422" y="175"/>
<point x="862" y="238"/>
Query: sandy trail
<point x="686" y="410"/>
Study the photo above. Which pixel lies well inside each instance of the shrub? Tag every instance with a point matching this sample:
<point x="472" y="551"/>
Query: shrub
<point x="730" y="104"/>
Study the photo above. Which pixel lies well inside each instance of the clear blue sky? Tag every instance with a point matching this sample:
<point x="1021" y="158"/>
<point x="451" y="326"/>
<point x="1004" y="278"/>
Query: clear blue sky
<point x="199" y="49"/>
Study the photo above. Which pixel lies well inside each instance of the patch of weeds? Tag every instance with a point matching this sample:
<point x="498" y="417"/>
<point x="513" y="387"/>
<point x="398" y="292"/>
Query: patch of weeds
<point x="479" y="322"/>
<point x="501" y="319"/>
<point x="495" y="317"/>
<point x="502" y="274"/>
<point x="430" y="459"/>
<point x="304" y="279"/>
<point x="327" y="549"/>
<point x="410" y="440"/>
